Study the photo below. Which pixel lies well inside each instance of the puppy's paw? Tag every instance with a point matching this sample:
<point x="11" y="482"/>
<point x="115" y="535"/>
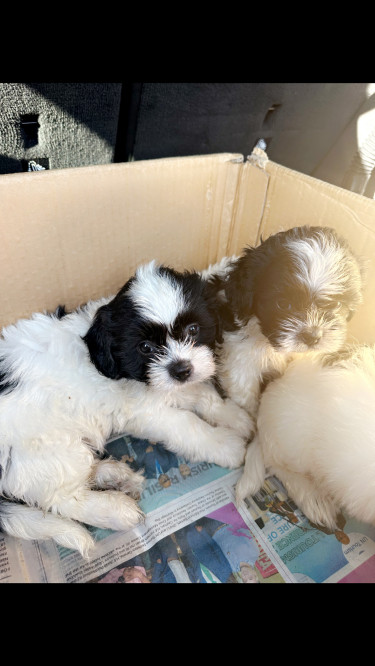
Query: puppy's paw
<point x="248" y="485"/>
<point x="108" y="509"/>
<point x="133" y="485"/>
<point x="117" y="475"/>
<point x="254" y="473"/>
<point x="238" y="419"/>
<point x="123" y="511"/>
<point x="229" y="448"/>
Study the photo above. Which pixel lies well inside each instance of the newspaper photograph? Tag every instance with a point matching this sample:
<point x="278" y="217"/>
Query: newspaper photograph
<point x="194" y="533"/>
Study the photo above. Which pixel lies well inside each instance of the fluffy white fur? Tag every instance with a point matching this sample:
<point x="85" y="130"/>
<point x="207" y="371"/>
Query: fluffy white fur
<point x="59" y="410"/>
<point x="245" y="359"/>
<point x="316" y="430"/>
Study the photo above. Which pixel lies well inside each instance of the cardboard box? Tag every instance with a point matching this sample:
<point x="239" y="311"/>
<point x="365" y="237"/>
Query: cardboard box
<point x="71" y="235"/>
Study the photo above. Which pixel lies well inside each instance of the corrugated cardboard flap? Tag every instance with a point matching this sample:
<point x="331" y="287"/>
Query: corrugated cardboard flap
<point x="70" y="235"/>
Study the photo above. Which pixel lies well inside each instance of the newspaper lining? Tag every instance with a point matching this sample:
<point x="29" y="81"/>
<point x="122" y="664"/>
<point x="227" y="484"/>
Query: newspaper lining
<point x="195" y="533"/>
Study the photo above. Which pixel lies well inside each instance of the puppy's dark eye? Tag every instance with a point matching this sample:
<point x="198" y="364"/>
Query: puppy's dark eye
<point x="192" y="330"/>
<point x="146" y="348"/>
<point x="284" y="304"/>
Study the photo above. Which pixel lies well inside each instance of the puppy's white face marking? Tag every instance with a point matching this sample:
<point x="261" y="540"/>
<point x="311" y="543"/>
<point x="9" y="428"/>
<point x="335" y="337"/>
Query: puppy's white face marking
<point x="322" y="266"/>
<point x="157" y="297"/>
<point x="200" y="358"/>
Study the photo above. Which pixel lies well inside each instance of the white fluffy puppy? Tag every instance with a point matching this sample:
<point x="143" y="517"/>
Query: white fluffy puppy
<point x="142" y="363"/>
<point x="316" y="428"/>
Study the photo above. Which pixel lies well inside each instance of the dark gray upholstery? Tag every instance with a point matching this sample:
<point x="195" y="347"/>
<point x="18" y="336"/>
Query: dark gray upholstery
<point x="309" y="127"/>
<point x="78" y="124"/>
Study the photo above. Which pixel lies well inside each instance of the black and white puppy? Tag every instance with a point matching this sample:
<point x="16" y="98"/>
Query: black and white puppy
<point x="142" y="363"/>
<point x="316" y="429"/>
<point x="291" y="295"/>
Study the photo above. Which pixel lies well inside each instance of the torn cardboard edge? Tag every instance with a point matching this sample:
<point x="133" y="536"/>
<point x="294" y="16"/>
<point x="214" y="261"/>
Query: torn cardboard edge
<point x="71" y="235"/>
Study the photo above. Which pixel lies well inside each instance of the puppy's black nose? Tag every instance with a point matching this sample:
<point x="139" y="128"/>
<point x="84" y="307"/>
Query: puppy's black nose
<point x="181" y="370"/>
<point x="311" y="337"/>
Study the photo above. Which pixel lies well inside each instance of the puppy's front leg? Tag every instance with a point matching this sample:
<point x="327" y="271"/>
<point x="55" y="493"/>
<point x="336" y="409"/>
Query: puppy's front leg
<point x="224" y="412"/>
<point x="242" y="359"/>
<point x="187" y="435"/>
<point x="254" y="472"/>
<point x="241" y="380"/>
<point x="102" y="508"/>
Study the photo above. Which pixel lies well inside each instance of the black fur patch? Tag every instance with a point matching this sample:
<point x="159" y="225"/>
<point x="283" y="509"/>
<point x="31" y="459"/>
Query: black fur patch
<point x="6" y="383"/>
<point x="60" y="312"/>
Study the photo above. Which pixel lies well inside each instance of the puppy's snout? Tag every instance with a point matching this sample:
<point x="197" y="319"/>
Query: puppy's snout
<point x="180" y="370"/>
<point x="311" y="336"/>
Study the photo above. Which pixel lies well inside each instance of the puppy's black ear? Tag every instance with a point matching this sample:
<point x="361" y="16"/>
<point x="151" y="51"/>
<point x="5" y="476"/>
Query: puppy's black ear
<point x="99" y="342"/>
<point x="240" y="286"/>
<point x="211" y="290"/>
<point x="218" y="306"/>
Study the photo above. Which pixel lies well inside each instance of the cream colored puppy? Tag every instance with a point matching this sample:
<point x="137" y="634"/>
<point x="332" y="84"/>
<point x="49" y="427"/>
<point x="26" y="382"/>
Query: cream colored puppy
<point x="316" y="433"/>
